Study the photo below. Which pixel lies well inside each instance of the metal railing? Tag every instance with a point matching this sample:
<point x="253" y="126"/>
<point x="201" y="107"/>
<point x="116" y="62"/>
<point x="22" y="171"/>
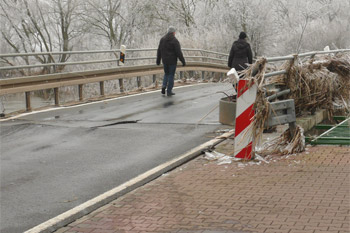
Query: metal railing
<point x="49" y="56"/>
<point x="57" y="80"/>
<point x="302" y="55"/>
<point x="308" y="54"/>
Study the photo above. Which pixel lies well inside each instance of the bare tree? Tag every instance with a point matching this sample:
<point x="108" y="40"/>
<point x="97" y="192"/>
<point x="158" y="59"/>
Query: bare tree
<point x="308" y="24"/>
<point x="184" y="9"/>
<point x="105" y="17"/>
<point x="177" y="11"/>
<point x="37" y="26"/>
<point x="273" y="26"/>
<point x="309" y="13"/>
<point x="114" y="20"/>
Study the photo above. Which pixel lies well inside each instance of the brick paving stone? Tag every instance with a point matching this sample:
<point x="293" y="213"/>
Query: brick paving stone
<point x="307" y="192"/>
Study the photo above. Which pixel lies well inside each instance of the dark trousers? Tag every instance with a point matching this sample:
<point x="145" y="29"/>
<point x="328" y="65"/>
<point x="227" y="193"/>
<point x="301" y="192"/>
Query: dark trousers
<point x="168" y="80"/>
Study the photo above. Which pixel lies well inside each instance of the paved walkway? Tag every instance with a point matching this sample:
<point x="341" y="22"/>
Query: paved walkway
<point x="308" y="192"/>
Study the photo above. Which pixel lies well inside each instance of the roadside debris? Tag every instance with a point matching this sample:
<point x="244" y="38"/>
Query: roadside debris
<point x="284" y="144"/>
<point x="318" y="84"/>
<point x="222" y="159"/>
<point x="219" y="157"/>
<point x="313" y="85"/>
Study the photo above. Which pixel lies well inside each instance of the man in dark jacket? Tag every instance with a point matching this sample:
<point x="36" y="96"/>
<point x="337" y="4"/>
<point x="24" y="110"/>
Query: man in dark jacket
<point x="169" y="50"/>
<point x="240" y="53"/>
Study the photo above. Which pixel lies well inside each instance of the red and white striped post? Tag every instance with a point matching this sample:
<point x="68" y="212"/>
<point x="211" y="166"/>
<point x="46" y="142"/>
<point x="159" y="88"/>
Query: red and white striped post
<point x="244" y="117"/>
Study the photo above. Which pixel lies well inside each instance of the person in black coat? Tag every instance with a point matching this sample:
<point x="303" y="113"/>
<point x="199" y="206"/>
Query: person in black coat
<point x="240" y="54"/>
<point x="169" y="50"/>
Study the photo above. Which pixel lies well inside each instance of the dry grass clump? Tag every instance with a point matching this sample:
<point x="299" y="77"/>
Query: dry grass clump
<point x="285" y="144"/>
<point x="256" y="75"/>
<point x="311" y="90"/>
<point x="317" y="84"/>
<point x="339" y="66"/>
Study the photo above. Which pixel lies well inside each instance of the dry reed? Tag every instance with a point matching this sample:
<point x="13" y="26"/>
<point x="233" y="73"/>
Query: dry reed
<point x="313" y="84"/>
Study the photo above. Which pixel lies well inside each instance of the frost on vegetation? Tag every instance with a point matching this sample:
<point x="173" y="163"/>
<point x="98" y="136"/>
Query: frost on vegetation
<point x="142" y="23"/>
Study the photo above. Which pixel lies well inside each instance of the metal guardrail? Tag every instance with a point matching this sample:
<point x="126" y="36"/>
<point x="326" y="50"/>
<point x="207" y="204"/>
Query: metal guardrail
<point x="40" y="82"/>
<point x="311" y="54"/>
<point x="282" y="112"/>
<point x="114" y="52"/>
<point x="57" y="80"/>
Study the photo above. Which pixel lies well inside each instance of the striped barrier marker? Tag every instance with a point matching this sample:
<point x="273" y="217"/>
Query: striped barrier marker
<point x="244" y="117"/>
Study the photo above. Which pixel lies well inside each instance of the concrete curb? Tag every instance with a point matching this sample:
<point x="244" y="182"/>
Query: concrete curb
<point x="310" y="121"/>
<point x="101" y="200"/>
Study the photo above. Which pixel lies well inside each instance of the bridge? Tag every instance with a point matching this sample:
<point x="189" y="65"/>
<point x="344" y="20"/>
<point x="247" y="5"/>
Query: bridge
<point x="56" y="159"/>
<point x="206" y="61"/>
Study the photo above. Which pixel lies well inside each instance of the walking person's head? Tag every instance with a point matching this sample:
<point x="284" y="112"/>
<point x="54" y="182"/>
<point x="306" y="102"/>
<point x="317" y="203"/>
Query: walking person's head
<point x="171" y="29"/>
<point x="242" y="35"/>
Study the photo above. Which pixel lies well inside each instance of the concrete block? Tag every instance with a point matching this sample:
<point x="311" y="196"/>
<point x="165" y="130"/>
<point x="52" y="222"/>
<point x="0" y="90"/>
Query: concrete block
<point x="310" y="121"/>
<point x="303" y="122"/>
<point x="320" y="115"/>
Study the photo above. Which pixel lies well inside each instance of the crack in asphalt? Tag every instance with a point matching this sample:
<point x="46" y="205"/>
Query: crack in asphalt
<point x="116" y="123"/>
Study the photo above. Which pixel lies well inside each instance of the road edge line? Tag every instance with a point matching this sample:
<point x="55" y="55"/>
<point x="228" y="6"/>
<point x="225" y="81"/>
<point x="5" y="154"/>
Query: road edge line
<point x="89" y="206"/>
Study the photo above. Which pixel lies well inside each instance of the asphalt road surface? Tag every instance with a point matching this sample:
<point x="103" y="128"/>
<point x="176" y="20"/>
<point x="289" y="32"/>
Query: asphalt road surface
<point x="55" y="160"/>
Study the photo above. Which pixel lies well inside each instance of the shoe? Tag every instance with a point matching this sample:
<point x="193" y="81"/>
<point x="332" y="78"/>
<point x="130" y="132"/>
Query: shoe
<point x="170" y="94"/>
<point x="163" y="90"/>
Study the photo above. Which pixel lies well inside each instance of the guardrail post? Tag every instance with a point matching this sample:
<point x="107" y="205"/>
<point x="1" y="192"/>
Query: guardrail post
<point x="80" y="92"/>
<point x="102" y="88"/>
<point x="154" y="77"/>
<point x="181" y="75"/>
<point x="138" y="78"/>
<point x="57" y="101"/>
<point x="28" y="105"/>
<point x="203" y="75"/>
<point x="212" y="76"/>
<point x="191" y="74"/>
<point x="121" y="85"/>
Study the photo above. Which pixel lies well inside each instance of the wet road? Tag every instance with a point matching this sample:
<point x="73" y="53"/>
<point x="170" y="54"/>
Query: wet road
<point x="53" y="161"/>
